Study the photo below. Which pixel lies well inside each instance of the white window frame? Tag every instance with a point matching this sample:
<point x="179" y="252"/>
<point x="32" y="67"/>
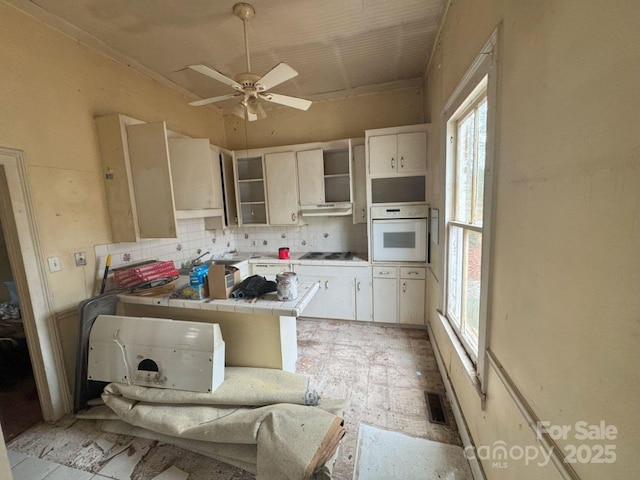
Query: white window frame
<point x="482" y="75"/>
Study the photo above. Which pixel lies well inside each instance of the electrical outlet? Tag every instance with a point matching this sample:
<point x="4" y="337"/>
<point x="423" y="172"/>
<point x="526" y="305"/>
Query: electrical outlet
<point x="54" y="264"/>
<point x="81" y="259"/>
<point x="126" y="257"/>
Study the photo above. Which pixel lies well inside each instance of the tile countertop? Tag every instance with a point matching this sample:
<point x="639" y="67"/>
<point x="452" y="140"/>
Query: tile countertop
<point x="355" y="261"/>
<point x="268" y="304"/>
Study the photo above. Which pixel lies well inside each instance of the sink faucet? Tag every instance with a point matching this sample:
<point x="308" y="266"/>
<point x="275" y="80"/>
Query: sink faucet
<point x="197" y="261"/>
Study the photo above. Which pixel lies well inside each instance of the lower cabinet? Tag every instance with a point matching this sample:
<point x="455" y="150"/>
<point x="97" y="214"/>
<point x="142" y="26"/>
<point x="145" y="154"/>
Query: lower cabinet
<point x="399" y="294"/>
<point x="345" y="292"/>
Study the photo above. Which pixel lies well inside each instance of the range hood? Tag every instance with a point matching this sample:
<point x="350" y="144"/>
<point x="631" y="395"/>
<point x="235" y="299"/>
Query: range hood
<point x="326" y="209"/>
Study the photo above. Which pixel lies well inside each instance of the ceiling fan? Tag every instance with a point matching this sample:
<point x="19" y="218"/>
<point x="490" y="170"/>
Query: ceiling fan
<point x="252" y="88"/>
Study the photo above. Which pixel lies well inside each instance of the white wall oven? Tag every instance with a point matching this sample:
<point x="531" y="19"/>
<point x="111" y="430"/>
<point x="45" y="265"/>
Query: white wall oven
<point x="399" y="234"/>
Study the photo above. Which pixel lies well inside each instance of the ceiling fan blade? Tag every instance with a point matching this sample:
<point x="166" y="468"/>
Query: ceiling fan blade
<point x="205" y="101"/>
<point x="299" y="103"/>
<point x="277" y="75"/>
<point x="216" y="75"/>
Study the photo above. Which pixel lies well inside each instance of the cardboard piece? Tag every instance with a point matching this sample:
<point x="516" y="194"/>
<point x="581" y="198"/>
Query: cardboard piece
<point x="223" y="279"/>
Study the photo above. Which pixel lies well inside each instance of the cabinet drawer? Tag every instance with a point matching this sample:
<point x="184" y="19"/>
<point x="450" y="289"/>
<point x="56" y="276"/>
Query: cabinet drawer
<point x="269" y="268"/>
<point x="412" y="272"/>
<point x="385" y="272"/>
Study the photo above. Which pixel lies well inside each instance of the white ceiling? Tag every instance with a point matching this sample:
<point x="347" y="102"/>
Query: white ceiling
<point x="339" y="47"/>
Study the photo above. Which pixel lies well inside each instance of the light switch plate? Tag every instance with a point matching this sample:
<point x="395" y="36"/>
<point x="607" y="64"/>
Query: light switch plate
<point x="54" y="264"/>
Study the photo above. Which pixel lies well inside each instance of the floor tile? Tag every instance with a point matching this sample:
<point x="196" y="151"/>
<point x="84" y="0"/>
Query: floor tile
<point x="15" y="457"/>
<point x="67" y="473"/>
<point x="33" y="469"/>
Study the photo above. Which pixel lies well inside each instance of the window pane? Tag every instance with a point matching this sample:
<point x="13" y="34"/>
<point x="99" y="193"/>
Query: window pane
<point x="481" y="124"/>
<point x="454" y="287"/>
<point x="471" y="288"/>
<point x="465" y="153"/>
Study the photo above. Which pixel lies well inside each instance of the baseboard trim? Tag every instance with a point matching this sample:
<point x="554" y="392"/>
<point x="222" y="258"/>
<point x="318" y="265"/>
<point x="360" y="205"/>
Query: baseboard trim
<point x="476" y="468"/>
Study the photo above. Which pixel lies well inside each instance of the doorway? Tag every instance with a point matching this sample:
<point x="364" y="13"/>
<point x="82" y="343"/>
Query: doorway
<point x="19" y="405"/>
<point x="26" y="258"/>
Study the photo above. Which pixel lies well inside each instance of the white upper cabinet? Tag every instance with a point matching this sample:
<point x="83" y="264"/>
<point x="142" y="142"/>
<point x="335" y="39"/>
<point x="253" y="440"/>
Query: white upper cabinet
<point x="397" y="153"/>
<point x="195" y="170"/>
<point x="397" y="164"/>
<point x="282" y="192"/>
<point x="137" y="175"/>
<point x="311" y="176"/>
<point x="324" y="174"/>
<point x="154" y="176"/>
<point x="250" y="190"/>
<point x="150" y="170"/>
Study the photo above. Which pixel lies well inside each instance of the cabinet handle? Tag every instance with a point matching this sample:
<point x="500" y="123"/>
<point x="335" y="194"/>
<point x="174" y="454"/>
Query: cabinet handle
<point x="412" y="273"/>
<point x="384" y="272"/>
<point x="393" y="163"/>
<point x="404" y="287"/>
<point x="401" y="162"/>
<point x="293" y="217"/>
<point x="358" y="286"/>
<point x="364" y="213"/>
<point x="326" y="284"/>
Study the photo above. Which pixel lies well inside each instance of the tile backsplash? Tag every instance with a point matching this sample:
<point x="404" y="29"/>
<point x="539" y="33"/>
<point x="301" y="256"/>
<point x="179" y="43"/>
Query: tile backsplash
<point x="323" y="234"/>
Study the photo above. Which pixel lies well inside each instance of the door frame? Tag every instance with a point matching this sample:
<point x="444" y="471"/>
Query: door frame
<point x="30" y="275"/>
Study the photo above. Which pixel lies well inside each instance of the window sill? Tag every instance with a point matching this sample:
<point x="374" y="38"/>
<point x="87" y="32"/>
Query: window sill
<point x="465" y="360"/>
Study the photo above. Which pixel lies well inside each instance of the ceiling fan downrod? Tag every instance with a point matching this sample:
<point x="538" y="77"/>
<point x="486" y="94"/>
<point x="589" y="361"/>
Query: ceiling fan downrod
<point x="245" y="12"/>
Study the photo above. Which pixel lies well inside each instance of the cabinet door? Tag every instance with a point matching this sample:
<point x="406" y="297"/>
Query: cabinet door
<point x="282" y="191"/>
<point x="359" y="185"/>
<point x="364" y="307"/>
<point x="412" y="152"/>
<point x="229" y="189"/>
<point x="116" y="167"/>
<point x="339" y="298"/>
<point x="311" y="177"/>
<point x="316" y="307"/>
<point x="194" y="174"/>
<point x="412" y="293"/>
<point x="151" y="175"/>
<point x="383" y="151"/>
<point x="385" y="300"/>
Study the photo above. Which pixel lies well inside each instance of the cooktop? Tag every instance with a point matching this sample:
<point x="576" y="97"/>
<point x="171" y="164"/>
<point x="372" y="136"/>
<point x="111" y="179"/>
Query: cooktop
<point x="327" y="256"/>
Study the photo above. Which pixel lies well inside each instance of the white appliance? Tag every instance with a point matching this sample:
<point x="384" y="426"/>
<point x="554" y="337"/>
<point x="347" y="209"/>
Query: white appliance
<point x="399" y="234"/>
<point x="156" y="352"/>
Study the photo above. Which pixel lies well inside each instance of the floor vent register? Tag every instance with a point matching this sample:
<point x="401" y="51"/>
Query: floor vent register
<point x="435" y="408"/>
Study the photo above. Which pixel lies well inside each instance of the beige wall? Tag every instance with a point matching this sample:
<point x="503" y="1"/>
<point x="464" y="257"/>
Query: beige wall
<point x="51" y="87"/>
<point x="566" y="269"/>
<point x="326" y="120"/>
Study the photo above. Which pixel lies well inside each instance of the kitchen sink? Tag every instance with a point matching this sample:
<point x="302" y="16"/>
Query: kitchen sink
<point x="225" y="261"/>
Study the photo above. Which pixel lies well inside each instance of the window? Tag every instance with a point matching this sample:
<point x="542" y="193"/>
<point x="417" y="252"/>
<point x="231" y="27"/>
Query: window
<point x="470" y="119"/>
<point x="464" y="259"/>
